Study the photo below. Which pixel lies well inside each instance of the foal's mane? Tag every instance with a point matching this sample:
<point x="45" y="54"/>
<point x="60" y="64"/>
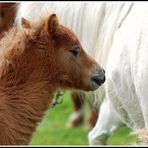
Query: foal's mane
<point x="13" y="43"/>
<point x="16" y="40"/>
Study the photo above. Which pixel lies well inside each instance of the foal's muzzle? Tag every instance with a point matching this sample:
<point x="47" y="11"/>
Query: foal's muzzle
<point x="98" y="78"/>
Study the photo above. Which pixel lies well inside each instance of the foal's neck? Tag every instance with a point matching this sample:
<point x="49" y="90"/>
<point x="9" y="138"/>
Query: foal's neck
<point x="25" y="94"/>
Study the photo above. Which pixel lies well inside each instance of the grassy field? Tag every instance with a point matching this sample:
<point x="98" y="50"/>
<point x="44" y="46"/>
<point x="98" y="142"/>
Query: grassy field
<point x="53" y="131"/>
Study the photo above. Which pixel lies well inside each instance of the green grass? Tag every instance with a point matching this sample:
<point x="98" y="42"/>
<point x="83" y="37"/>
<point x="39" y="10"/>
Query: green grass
<point x="53" y="131"/>
<point x="122" y="137"/>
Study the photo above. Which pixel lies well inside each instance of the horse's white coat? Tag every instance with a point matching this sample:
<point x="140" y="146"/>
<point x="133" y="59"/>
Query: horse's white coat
<point x="119" y="30"/>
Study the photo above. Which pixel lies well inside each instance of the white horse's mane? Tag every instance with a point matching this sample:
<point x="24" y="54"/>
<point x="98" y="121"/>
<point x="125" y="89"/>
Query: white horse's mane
<point x="94" y="23"/>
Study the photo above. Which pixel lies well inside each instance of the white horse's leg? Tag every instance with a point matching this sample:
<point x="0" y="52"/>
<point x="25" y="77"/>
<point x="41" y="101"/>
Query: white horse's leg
<point x="107" y="123"/>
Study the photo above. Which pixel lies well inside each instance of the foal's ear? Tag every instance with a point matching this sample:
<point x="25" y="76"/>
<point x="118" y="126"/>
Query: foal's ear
<point x="25" y="23"/>
<point x="51" y="24"/>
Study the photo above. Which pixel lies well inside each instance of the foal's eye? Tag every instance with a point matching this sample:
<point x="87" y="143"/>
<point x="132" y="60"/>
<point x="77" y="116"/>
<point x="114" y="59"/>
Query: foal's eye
<point x="75" y="50"/>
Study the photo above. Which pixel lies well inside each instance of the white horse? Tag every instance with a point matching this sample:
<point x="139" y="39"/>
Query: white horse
<point x="127" y="75"/>
<point x="115" y="34"/>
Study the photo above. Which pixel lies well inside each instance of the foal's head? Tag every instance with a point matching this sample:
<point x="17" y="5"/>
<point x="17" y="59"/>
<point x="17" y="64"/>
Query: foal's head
<point x="72" y="66"/>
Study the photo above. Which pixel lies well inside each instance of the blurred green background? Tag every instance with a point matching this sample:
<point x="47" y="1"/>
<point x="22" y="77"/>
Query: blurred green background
<point x="53" y="131"/>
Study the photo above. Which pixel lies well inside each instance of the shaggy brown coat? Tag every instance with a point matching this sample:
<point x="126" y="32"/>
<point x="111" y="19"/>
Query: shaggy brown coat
<point x="34" y="62"/>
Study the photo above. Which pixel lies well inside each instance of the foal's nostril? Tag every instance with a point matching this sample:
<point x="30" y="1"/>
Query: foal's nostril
<point x="103" y="71"/>
<point x="98" y="79"/>
<point x="102" y="80"/>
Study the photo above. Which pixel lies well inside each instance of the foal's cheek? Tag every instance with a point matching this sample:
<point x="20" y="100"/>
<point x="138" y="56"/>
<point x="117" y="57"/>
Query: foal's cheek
<point x="66" y="61"/>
